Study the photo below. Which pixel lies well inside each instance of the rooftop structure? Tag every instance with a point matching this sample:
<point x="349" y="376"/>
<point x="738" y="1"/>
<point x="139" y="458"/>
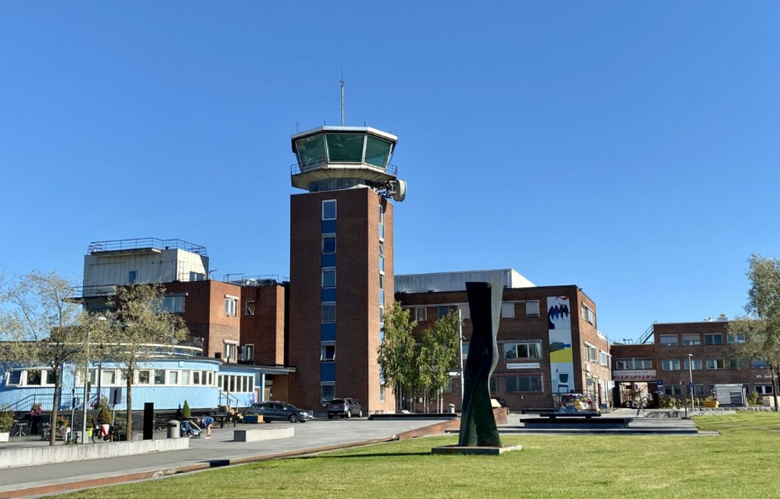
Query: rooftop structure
<point x="456" y="281"/>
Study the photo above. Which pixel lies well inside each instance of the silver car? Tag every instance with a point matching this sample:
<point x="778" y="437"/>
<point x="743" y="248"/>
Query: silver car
<point x="346" y="408"/>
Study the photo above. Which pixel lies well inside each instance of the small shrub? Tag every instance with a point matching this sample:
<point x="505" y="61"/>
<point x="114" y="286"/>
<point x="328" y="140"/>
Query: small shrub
<point x="185" y="412"/>
<point x="6" y="420"/>
<point x="62" y="422"/>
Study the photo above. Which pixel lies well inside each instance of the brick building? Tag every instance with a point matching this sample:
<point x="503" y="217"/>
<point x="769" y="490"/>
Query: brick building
<point x="548" y="339"/>
<point x="713" y="360"/>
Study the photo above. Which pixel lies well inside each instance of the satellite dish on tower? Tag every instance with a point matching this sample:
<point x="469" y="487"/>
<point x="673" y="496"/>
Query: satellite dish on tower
<point x="399" y="190"/>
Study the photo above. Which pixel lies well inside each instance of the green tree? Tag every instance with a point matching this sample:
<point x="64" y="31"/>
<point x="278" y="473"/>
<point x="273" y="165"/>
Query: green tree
<point x="40" y="324"/>
<point x="761" y="325"/>
<point x="439" y="354"/>
<point x="186" y="413"/>
<point x="397" y="354"/>
<point x="140" y="321"/>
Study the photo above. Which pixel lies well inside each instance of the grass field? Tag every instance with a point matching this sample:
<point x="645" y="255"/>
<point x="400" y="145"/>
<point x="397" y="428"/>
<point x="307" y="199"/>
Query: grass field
<point x="742" y="462"/>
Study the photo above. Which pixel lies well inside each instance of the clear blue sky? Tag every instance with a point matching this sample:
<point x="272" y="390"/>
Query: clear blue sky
<point x="630" y="148"/>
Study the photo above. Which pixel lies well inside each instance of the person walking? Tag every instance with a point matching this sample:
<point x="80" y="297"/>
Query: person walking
<point x="206" y="422"/>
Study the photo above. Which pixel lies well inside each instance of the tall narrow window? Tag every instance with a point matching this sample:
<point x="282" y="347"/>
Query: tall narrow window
<point x="532" y="308"/>
<point x="328" y="245"/>
<point x="328" y="352"/>
<point x="381" y="256"/>
<point x="328" y="278"/>
<point x="328" y="312"/>
<point x="249" y="308"/>
<point x="381" y="222"/>
<point x="133" y="275"/>
<point x="329" y="209"/>
<point x="230" y="305"/>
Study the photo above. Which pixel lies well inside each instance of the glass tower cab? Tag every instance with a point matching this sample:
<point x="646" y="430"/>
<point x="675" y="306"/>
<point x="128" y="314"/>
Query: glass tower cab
<point x="341" y="157"/>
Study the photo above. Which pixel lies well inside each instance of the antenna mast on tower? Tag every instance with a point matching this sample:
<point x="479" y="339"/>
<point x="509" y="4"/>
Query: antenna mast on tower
<point x="342" y="94"/>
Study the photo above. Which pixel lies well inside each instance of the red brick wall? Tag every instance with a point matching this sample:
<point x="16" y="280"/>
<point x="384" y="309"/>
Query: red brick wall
<point x="265" y="330"/>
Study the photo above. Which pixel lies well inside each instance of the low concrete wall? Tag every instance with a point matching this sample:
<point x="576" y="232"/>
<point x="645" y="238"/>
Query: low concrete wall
<point x="31" y="456"/>
<point x="257" y="434"/>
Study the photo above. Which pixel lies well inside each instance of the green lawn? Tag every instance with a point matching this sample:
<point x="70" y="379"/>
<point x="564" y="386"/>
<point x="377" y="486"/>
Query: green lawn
<point x="742" y="462"/>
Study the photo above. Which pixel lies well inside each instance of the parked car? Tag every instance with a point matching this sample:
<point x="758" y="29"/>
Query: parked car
<point x="346" y="408"/>
<point x="280" y="411"/>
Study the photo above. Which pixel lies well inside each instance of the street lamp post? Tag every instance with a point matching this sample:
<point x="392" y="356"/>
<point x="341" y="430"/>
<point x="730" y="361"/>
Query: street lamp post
<point x="460" y="346"/>
<point x="690" y="376"/>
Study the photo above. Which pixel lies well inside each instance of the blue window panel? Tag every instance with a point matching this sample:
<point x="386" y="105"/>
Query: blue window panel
<point x="381" y="296"/>
<point x="328" y="294"/>
<point x="381" y="264"/>
<point x="328" y="332"/>
<point x="381" y="231"/>
<point x="328" y="371"/>
<point x="328" y="261"/>
<point x="381" y="336"/>
<point x="328" y="226"/>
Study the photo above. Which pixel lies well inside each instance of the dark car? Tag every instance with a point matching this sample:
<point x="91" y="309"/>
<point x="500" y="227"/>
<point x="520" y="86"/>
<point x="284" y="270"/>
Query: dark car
<point x="280" y="411"/>
<point x="346" y="408"/>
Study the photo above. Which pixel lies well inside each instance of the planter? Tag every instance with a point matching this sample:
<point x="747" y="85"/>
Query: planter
<point x="5" y="436"/>
<point x="89" y="432"/>
<point x="710" y="403"/>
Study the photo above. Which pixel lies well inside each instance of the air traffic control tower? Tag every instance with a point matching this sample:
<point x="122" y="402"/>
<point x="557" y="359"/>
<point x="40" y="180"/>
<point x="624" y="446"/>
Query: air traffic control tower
<point x="341" y="264"/>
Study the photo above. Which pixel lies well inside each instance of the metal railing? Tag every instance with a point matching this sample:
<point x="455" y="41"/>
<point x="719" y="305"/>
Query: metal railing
<point x="258" y="280"/>
<point x="646" y="335"/>
<point x="297" y="169"/>
<point x="144" y="243"/>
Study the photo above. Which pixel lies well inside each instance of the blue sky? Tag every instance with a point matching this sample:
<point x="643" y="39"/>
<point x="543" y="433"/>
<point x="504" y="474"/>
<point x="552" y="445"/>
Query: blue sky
<point x="630" y="148"/>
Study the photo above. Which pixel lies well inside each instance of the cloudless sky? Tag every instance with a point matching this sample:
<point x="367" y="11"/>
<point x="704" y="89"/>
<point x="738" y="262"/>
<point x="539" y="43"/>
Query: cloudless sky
<point x="631" y="148"/>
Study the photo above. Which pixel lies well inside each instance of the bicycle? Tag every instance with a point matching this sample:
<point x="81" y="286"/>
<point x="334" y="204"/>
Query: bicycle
<point x="105" y="433"/>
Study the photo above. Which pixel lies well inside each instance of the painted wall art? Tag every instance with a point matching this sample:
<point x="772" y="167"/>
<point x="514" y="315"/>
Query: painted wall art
<point x="561" y="353"/>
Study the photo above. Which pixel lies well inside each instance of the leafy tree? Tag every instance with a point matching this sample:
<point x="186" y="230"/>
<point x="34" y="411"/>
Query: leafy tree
<point x="397" y="353"/>
<point x="439" y="353"/>
<point x="761" y="325"/>
<point x="40" y="325"/>
<point x="140" y="320"/>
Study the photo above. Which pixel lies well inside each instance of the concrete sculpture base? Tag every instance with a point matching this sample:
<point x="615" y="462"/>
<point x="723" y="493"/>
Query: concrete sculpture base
<point x="487" y="451"/>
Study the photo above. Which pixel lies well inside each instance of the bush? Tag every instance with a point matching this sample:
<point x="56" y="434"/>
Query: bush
<point x="90" y="421"/>
<point x="104" y="416"/>
<point x="6" y="420"/>
<point x="185" y="413"/>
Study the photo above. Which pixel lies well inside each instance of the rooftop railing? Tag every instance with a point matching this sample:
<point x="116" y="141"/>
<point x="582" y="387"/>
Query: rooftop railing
<point x="144" y="243"/>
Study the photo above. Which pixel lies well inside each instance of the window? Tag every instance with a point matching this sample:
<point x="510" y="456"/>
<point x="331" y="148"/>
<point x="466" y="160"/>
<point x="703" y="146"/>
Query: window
<point x="381" y="222"/>
<point x="523" y="383"/>
<point x="329" y="209"/>
<point x="669" y="340"/>
<point x="15" y="378"/>
<point x="382" y="395"/>
<point x="229" y="352"/>
<point x="691" y="339"/>
<point x="588" y="315"/>
<point x="523" y="350"/>
<point x="507" y="310"/>
<point x="196" y="377"/>
<point x="108" y="378"/>
<point x="248" y="353"/>
<point x="633" y="364"/>
<point x="327" y="392"/>
<point x="329" y="278"/>
<point x="465" y="312"/>
<point x="441" y="312"/>
<point x="714" y="364"/>
<point x="420" y="314"/>
<point x="696" y="364"/>
<point x="738" y="364"/>
<point x="713" y="339"/>
<point x="764" y="389"/>
<point x="698" y="390"/>
<point x="35" y="377"/>
<point x="195" y="276"/>
<point x="493" y="385"/>
<point x="159" y="377"/>
<point x="173" y="304"/>
<point x="670" y="365"/>
<point x="211" y="381"/>
<point x="381" y="282"/>
<point x="604" y="358"/>
<point x="173" y="377"/>
<point x="328" y="313"/>
<point x="736" y="338"/>
<point x="132" y="276"/>
<point x="249" y="308"/>
<point x="230" y="305"/>
<point x="760" y="364"/>
<point x="465" y="351"/>
<point x="673" y="390"/>
<point x="532" y="308"/>
<point x="381" y="256"/>
<point x="328" y="245"/>
<point x="328" y="352"/>
<point x="591" y="353"/>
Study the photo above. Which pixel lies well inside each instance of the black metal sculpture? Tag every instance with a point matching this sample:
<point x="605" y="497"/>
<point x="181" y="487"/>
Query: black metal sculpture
<point x="477" y="425"/>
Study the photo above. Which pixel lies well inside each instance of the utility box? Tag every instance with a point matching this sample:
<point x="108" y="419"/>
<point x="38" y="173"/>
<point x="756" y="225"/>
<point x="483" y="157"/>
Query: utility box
<point x="729" y="394"/>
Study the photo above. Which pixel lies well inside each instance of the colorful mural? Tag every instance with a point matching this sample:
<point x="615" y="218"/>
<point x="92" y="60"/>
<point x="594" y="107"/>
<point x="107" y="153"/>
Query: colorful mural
<point x="561" y="353"/>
